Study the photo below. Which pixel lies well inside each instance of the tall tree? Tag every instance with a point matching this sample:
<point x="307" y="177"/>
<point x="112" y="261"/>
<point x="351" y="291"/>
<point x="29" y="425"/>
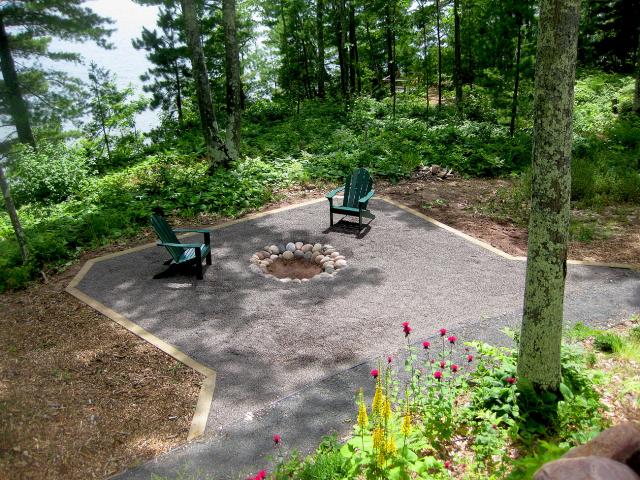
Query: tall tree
<point x="516" y="82"/>
<point x="354" y="77"/>
<point x="636" y="95"/>
<point x="389" y="12"/>
<point x="541" y="334"/>
<point x="217" y="153"/>
<point x="457" y="71"/>
<point x="234" y="86"/>
<point x="322" y="73"/>
<point x="169" y="55"/>
<point x="439" y="53"/>
<point x="339" y="11"/>
<point x="26" y="30"/>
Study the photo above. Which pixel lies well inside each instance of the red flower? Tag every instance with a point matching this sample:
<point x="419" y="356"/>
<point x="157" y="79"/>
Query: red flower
<point x="469" y="358"/>
<point x="425" y="345"/>
<point x="447" y="465"/>
<point x="375" y="373"/>
<point x="443" y="364"/>
<point x="433" y="360"/>
<point x="260" y="476"/>
<point x="443" y="332"/>
<point x="406" y="328"/>
<point x="389" y="359"/>
<point x="452" y="339"/>
<point x="510" y="380"/>
<point x="276" y="439"/>
<point x="454" y="368"/>
<point x="438" y="375"/>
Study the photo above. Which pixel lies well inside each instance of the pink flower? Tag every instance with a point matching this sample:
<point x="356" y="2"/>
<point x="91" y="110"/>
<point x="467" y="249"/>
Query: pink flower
<point x="452" y="339"/>
<point x="426" y="345"/>
<point x="389" y="359"/>
<point x="438" y="375"/>
<point x="276" y="439"/>
<point x="469" y="358"/>
<point x="510" y="380"/>
<point x="260" y="476"/>
<point x="406" y="328"/>
<point x="443" y="332"/>
<point x="447" y="465"/>
<point x="375" y="373"/>
<point x="443" y="364"/>
<point x="454" y="368"/>
<point x="433" y="360"/>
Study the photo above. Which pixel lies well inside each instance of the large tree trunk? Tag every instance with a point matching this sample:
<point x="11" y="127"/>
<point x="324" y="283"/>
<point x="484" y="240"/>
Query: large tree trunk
<point x="17" y="105"/>
<point x="216" y="150"/>
<point x="439" y="54"/>
<point x="13" y="215"/>
<point x="457" y="77"/>
<point x="178" y="93"/>
<point x="234" y="87"/>
<point x="320" y="34"/>
<point x="516" y="83"/>
<point x="541" y="335"/>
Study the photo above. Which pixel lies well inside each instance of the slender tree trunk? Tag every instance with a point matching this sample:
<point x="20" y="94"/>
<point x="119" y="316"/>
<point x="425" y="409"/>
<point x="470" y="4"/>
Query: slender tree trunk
<point x="426" y="63"/>
<point x="541" y="335"/>
<point x="457" y="53"/>
<point x="320" y="34"/>
<point x="375" y="65"/>
<point x="178" y="92"/>
<point x="353" y="52"/>
<point x="636" y="96"/>
<point x="341" y="48"/>
<point x="439" y="54"/>
<point x="13" y="215"/>
<point x="217" y="153"/>
<point x="17" y="105"/>
<point x="391" y="68"/>
<point x="103" y="121"/>
<point x="516" y="83"/>
<point x="232" y="70"/>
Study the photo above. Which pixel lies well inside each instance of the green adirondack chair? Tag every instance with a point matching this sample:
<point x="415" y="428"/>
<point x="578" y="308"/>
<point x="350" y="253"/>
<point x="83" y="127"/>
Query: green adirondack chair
<point x="182" y="253"/>
<point x="358" y="190"/>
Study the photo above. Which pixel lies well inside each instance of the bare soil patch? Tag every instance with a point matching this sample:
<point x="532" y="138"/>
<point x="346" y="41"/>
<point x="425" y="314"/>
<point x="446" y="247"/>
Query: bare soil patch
<point x="80" y="396"/>
<point x="294" y="269"/>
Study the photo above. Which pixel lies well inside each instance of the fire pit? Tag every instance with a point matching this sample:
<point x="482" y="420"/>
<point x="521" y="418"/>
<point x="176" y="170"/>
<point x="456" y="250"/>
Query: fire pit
<point x="298" y="261"/>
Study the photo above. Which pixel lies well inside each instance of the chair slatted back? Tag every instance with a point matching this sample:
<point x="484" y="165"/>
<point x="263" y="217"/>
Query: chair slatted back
<point x="356" y="187"/>
<point x="166" y="235"/>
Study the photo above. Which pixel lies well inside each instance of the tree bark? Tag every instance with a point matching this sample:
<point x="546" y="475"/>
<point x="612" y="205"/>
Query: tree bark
<point x="516" y="83"/>
<point x="178" y="93"/>
<point x="353" y="50"/>
<point x="320" y="34"/>
<point x="17" y="105"/>
<point x="217" y="153"/>
<point x="13" y="215"/>
<point x="439" y="54"/>
<point x="234" y="86"/>
<point x="636" y="95"/>
<point x="391" y="68"/>
<point x="341" y="50"/>
<point x="541" y="334"/>
<point x="457" y="53"/>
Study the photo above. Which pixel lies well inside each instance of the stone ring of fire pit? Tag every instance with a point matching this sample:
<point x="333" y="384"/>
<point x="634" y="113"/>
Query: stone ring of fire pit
<point x="298" y="262"/>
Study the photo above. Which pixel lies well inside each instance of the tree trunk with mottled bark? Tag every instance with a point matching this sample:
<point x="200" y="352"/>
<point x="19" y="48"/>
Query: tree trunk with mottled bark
<point x="516" y="83"/>
<point x="13" y="215"/>
<point x="391" y="64"/>
<point x="340" y="40"/>
<point x="353" y="50"/>
<point x="234" y="86"/>
<point x="17" y="105"/>
<point x="320" y="34"/>
<point x="457" y="74"/>
<point x="216" y="149"/>
<point x="439" y="54"/>
<point x="541" y="334"/>
<point x="636" y="96"/>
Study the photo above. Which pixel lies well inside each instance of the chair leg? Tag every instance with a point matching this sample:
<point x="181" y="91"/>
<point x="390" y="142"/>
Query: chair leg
<point x="360" y="220"/>
<point x="208" y="257"/>
<point x="331" y="218"/>
<point x="198" y="264"/>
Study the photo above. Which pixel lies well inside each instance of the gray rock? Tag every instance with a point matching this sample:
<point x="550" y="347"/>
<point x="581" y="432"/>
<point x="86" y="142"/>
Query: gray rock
<point x="329" y="269"/>
<point x="273" y="257"/>
<point x="620" y="443"/>
<point x="308" y="255"/>
<point x="326" y="265"/>
<point x="298" y="254"/>
<point x="341" y="263"/>
<point x="317" y="247"/>
<point x="281" y="247"/>
<point x="291" y="247"/>
<point x="299" y="245"/>
<point x="307" y="247"/>
<point x="319" y="259"/>
<point x="287" y="255"/>
<point x="274" y="250"/>
<point x="585" y="468"/>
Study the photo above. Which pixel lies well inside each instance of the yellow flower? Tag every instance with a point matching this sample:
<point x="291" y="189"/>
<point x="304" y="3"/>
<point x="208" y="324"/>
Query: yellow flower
<point x="378" y="439"/>
<point x="381" y="458"/>
<point x="391" y="448"/>
<point x="386" y="409"/>
<point x="363" y="419"/>
<point x="376" y="406"/>
<point x="406" y="423"/>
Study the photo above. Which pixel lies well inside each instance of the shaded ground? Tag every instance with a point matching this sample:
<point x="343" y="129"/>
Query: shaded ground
<point x="80" y="397"/>
<point x="275" y="347"/>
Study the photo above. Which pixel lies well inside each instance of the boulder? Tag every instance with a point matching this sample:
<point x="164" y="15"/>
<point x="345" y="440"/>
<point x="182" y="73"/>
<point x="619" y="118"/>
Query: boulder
<point x="585" y="468"/>
<point x="621" y="443"/>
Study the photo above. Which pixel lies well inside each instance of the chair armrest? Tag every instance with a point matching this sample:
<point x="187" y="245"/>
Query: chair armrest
<point x="180" y="245"/>
<point x="367" y="196"/>
<point x="195" y="230"/>
<point x="332" y="193"/>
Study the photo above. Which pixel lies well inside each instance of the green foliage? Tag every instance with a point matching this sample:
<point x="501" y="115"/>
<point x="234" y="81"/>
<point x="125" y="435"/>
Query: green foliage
<point x="608" y="342"/>
<point x="49" y="175"/>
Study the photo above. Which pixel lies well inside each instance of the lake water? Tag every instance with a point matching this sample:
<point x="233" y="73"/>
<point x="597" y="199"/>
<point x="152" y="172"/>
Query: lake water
<point x="123" y="60"/>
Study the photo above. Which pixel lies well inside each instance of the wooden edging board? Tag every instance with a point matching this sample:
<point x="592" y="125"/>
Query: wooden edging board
<point x="205" y="397"/>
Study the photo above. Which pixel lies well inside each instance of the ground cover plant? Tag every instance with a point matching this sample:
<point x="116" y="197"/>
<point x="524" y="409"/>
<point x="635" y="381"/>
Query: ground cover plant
<point x="453" y="409"/>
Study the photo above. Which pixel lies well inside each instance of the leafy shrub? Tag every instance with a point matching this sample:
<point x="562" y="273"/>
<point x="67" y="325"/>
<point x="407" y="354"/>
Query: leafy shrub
<point x="51" y="174"/>
<point x="608" y="342"/>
